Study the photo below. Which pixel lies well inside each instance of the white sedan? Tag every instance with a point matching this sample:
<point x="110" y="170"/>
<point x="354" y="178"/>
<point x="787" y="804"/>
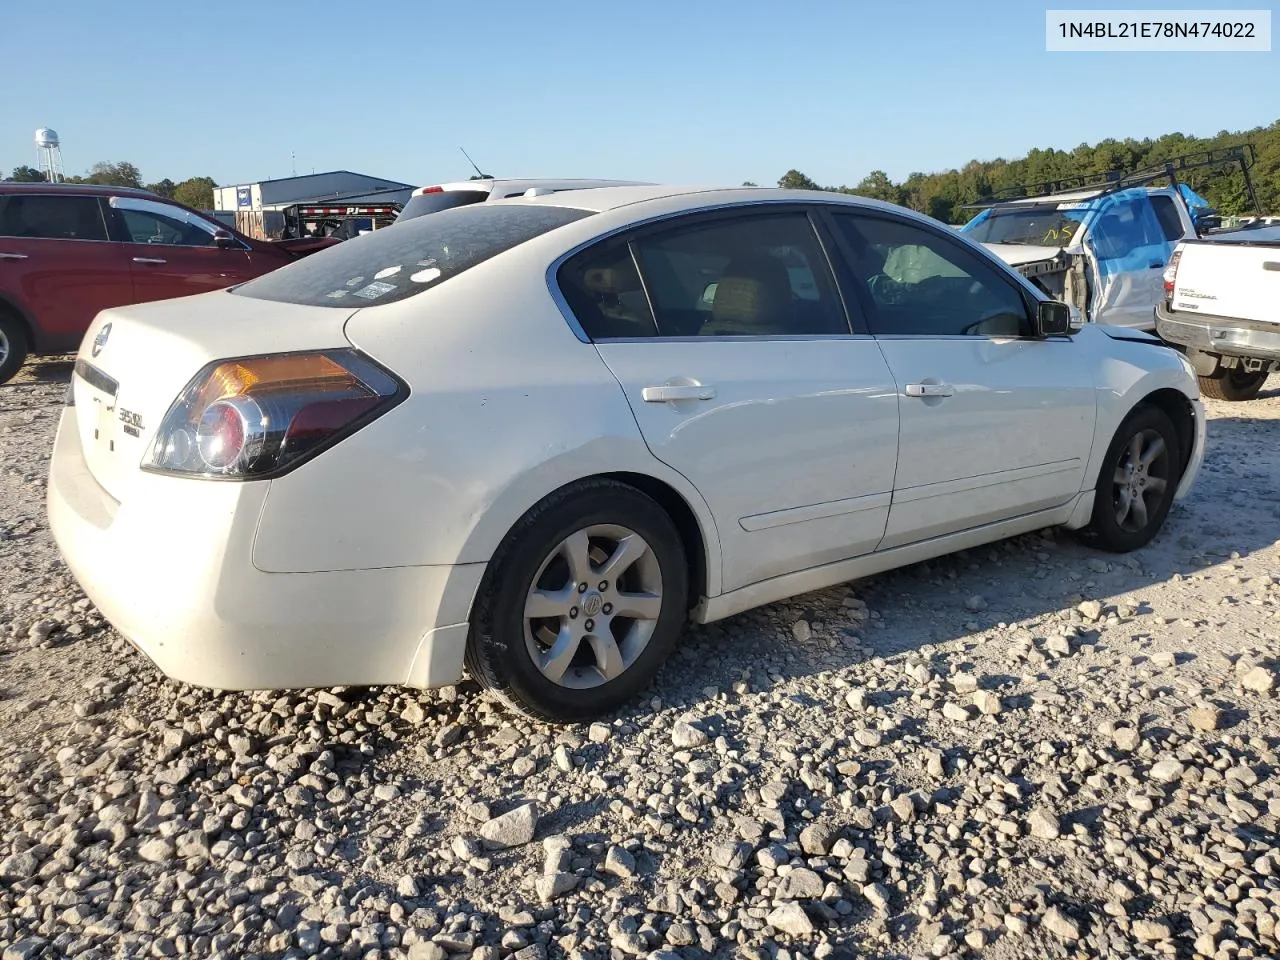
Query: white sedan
<point x="534" y="437"/>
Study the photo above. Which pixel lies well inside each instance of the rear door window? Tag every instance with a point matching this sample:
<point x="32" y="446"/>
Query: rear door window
<point x="43" y="217"/>
<point x="392" y="264"/>
<point x="425" y="203"/>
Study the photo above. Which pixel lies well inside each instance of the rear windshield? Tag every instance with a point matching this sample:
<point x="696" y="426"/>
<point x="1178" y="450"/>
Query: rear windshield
<point x="424" y="203"/>
<point x="397" y="262"/>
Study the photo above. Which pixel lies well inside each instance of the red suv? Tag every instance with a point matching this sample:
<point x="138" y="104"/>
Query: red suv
<point x="70" y="250"/>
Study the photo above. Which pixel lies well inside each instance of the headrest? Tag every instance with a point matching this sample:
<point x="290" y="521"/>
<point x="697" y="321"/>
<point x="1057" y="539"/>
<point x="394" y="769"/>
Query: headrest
<point x="617" y="279"/>
<point x="752" y="292"/>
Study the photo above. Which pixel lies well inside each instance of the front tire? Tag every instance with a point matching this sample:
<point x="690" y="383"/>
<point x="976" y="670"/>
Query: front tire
<point x="581" y="604"/>
<point x="1233" y="385"/>
<point x="13" y="346"/>
<point x="1136" y="484"/>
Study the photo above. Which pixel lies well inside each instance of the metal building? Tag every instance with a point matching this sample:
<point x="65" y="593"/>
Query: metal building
<point x="258" y="207"/>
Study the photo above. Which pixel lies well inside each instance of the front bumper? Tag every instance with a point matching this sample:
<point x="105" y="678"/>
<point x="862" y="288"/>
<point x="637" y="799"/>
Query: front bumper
<point x="171" y="570"/>
<point x="1224" y="336"/>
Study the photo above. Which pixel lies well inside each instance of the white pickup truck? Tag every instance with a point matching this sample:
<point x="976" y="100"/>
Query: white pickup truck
<point x="1221" y="307"/>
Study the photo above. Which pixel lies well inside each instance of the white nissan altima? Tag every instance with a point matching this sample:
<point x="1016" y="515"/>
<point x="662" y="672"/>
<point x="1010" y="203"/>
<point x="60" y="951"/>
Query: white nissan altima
<point x="534" y="437"/>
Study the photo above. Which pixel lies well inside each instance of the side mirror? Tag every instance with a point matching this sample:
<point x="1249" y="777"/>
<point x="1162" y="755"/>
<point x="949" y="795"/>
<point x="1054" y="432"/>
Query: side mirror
<point x="223" y="240"/>
<point x="1053" y="318"/>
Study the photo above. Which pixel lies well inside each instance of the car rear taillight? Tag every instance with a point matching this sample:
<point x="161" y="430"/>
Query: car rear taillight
<point x="258" y="417"/>
<point x="1171" y="273"/>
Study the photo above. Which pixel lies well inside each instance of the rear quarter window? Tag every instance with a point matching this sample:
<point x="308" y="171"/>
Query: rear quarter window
<point x="53" y="217"/>
<point x="397" y="262"/>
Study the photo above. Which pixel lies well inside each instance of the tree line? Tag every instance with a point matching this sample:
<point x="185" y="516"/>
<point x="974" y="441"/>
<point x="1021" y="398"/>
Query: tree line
<point x="195" y="192"/>
<point x="942" y="195"/>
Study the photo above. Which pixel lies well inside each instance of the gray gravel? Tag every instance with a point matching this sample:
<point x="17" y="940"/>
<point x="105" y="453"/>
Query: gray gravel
<point x="1028" y="750"/>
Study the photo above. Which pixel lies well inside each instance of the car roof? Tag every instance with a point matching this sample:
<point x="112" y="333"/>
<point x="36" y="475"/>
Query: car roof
<point x="1072" y="196"/>
<point x="601" y="199"/>
<point x="91" y="189"/>
<point x="524" y="183"/>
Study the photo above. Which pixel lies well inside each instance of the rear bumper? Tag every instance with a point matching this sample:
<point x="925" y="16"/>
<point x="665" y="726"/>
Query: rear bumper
<point x="171" y="570"/>
<point x="1225" y="336"/>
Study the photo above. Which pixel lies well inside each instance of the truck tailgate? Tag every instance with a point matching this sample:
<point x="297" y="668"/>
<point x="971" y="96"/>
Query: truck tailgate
<point x="1237" y="280"/>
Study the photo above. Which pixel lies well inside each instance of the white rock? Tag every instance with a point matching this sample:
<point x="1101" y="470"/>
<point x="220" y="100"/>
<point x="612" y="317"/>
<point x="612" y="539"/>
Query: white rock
<point x="512" y="829"/>
<point x="791" y="919"/>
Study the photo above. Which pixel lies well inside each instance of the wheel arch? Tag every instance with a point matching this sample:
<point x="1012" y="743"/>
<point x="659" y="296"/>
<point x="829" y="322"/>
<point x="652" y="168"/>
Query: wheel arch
<point x="11" y="307"/>
<point x="681" y="513"/>
<point x="687" y="511"/>
<point x="1177" y="407"/>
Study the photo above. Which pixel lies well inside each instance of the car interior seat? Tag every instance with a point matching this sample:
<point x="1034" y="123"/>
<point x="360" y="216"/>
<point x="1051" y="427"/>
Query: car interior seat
<point x="753" y="297"/>
<point x="619" y="297"/>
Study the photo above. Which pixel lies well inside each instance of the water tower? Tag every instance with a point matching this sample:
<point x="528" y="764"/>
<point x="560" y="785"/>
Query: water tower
<point x="49" y="154"/>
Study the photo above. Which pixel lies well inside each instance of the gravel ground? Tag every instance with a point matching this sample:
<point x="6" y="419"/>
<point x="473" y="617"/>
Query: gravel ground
<point x="1028" y="750"/>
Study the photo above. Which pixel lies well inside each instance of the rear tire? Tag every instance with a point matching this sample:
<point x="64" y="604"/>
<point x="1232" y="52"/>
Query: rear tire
<point x="1136" y="484"/>
<point x="581" y="604"/>
<point x="1233" y="385"/>
<point x="13" y="346"/>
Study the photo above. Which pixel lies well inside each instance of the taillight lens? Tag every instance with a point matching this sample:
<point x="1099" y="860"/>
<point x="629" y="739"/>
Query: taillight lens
<point x="1171" y="273"/>
<point x="258" y="417"/>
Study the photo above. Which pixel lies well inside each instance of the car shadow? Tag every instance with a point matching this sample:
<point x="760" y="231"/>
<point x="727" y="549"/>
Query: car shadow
<point x="43" y="370"/>
<point x="1232" y="511"/>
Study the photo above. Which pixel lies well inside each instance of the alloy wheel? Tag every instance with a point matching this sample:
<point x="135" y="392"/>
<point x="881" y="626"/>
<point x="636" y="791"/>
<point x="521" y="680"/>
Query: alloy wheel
<point x="1141" y="480"/>
<point x="593" y="606"/>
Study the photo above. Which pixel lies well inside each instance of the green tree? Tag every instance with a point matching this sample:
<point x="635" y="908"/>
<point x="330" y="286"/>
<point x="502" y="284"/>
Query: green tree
<point x="795" y="180"/>
<point x="943" y="194"/>
<point x="122" y="174"/>
<point x="163" y="187"/>
<point x="197" y="193"/>
<point x="878" y="186"/>
<point x="26" y="174"/>
<point x="748" y="183"/>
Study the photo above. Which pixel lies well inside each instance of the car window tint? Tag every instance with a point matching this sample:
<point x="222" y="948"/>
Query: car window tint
<point x="53" y="218"/>
<point x="744" y="276"/>
<point x="604" y="292"/>
<point x="146" y="227"/>
<point x="395" y="263"/>
<point x="1167" y="214"/>
<point x="923" y="284"/>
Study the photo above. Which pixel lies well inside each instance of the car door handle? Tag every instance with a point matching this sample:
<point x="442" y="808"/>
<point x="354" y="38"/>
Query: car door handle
<point x="668" y="392"/>
<point x="149" y="260"/>
<point x="1266" y="264"/>
<point x="1156" y="264"/>
<point x="930" y="390"/>
<point x="13" y="256"/>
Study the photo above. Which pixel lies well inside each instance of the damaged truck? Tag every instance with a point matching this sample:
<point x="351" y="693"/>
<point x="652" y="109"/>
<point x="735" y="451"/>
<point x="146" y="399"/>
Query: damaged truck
<point x="1101" y="244"/>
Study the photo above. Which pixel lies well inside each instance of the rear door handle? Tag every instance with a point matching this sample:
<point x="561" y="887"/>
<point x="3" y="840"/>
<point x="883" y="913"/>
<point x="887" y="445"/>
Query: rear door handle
<point x="1156" y="264"/>
<point x="148" y="260"/>
<point x="668" y="392"/>
<point x="930" y="390"/>
<point x="13" y="256"/>
<point x="1266" y="264"/>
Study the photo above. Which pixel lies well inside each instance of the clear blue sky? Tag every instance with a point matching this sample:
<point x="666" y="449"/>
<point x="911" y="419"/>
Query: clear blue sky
<point x="688" y="91"/>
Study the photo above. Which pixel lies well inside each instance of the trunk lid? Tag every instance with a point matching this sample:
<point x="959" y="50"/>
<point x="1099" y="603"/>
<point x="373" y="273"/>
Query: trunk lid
<point x="135" y="361"/>
<point x="1238" y="280"/>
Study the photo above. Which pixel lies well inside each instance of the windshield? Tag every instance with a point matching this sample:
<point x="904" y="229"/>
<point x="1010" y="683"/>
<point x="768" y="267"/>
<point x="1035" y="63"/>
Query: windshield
<point x="392" y="264"/>
<point x="1037" y="225"/>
